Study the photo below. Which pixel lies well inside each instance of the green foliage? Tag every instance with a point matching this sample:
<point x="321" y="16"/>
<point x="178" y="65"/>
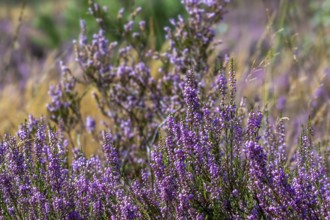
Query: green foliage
<point x="156" y="13"/>
<point x="321" y="13"/>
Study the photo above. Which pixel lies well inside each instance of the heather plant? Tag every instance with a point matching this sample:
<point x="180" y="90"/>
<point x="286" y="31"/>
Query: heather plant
<point x="135" y="100"/>
<point x="175" y="145"/>
<point x="215" y="161"/>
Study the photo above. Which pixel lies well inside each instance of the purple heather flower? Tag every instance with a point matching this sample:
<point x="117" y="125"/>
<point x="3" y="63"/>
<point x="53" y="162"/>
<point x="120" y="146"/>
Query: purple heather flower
<point x="74" y="215"/>
<point x="63" y="67"/>
<point x="83" y="40"/>
<point x="142" y="25"/>
<point x="192" y="100"/>
<point x="121" y="13"/>
<point x="254" y="124"/>
<point x="257" y="160"/>
<point x="281" y="102"/>
<point x="128" y="210"/>
<point x="129" y="26"/>
<point x="320" y="96"/>
<point x="90" y="124"/>
<point x="168" y="189"/>
<point x="221" y="84"/>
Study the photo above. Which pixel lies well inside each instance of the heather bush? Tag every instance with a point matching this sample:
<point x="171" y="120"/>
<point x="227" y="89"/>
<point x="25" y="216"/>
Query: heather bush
<point x="175" y="145"/>
<point x="135" y="100"/>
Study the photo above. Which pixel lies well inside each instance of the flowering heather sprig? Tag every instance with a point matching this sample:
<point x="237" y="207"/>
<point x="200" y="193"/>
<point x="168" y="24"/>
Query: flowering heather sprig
<point x="64" y="108"/>
<point x="90" y="124"/>
<point x="254" y="124"/>
<point x="192" y="100"/>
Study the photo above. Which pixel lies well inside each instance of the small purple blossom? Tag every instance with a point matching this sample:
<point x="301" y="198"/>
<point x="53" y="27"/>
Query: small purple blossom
<point x="90" y="124"/>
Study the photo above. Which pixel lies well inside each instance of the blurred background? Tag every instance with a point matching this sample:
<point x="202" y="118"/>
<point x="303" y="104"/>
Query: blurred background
<point x="281" y="48"/>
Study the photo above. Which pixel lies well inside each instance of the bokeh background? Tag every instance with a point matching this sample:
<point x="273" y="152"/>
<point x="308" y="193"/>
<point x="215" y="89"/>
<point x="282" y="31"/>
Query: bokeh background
<point x="281" y="49"/>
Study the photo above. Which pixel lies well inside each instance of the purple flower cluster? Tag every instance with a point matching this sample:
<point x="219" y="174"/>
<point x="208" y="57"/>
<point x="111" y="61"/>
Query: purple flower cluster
<point x="176" y="144"/>
<point x="64" y="108"/>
